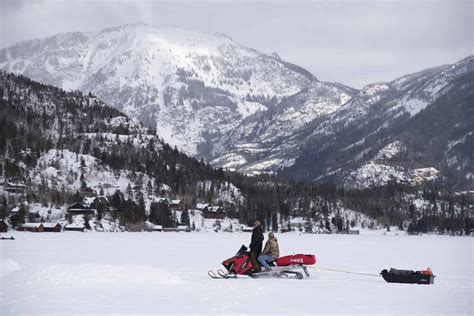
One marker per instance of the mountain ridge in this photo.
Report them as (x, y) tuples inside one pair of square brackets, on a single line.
[(234, 106), (156, 74)]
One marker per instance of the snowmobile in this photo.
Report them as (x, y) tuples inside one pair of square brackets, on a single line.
[(292, 266)]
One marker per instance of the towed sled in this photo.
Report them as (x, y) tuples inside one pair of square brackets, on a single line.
[(408, 276), (292, 266)]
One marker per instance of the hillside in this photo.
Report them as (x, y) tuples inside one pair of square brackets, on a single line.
[(188, 85), (58, 148), (416, 128)]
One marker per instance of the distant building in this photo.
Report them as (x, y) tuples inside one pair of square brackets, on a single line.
[(15, 187), (209, 211), (203, 206), (161, 200), (176, 205), (75, 227), (3, 226), (52, 227), (213, 212), (31, 227), (81, 209)]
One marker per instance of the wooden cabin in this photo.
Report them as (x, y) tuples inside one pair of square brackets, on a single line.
[(15, 187), (75, 227), (52, 227), (215, 212), (176, 205), (81, 209), (31, 227), (203, 206)]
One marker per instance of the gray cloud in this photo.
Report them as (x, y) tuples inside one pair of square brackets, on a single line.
[(354, 42)]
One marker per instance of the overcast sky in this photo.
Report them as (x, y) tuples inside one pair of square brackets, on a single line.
[(353, 42)]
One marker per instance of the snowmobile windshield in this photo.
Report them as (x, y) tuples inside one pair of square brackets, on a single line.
[(241, 251)]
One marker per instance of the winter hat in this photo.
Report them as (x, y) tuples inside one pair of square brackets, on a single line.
[(257, 223)]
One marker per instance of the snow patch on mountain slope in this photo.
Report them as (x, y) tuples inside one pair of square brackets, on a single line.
[(230, 161), (247, 108), (267, 166), (389, 151), (266, 142), (377, 174), (413, 106)]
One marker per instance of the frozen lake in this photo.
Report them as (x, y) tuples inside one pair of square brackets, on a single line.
[(97, 273)]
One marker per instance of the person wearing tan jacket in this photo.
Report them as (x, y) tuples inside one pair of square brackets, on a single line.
[(270, 252)]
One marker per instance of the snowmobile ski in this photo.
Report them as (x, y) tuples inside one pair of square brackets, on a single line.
[(220, 275), (213, 275), (278, 274)]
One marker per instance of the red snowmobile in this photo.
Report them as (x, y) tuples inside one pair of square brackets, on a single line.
[(283, 267)]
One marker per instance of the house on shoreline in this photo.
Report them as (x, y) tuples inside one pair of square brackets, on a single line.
[(40, 227)]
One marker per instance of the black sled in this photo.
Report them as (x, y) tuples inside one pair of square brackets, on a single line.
[(408, 276)]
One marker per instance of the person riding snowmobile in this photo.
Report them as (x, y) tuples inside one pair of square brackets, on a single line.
[(256, 245), (270, 252)]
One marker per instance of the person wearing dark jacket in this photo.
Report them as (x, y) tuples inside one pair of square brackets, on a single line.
[(256, 245)]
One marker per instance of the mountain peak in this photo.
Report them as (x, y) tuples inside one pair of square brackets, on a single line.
[(187, 85)]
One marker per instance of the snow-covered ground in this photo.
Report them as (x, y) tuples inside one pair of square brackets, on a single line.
[(137, 273)]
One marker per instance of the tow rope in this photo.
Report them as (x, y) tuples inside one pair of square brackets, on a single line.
[(344, 271)]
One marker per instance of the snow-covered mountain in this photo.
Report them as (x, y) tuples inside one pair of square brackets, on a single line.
[(419, 125), (266, 142), (367, 140), (255, 113), (186, 85)]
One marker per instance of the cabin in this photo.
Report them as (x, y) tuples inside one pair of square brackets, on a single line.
[(161, 200), (3, 226), (31, 227), (15, 187), (176, 205), (75, 227), (215, 212), (81, 209), (203, 206), (52, 227)]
